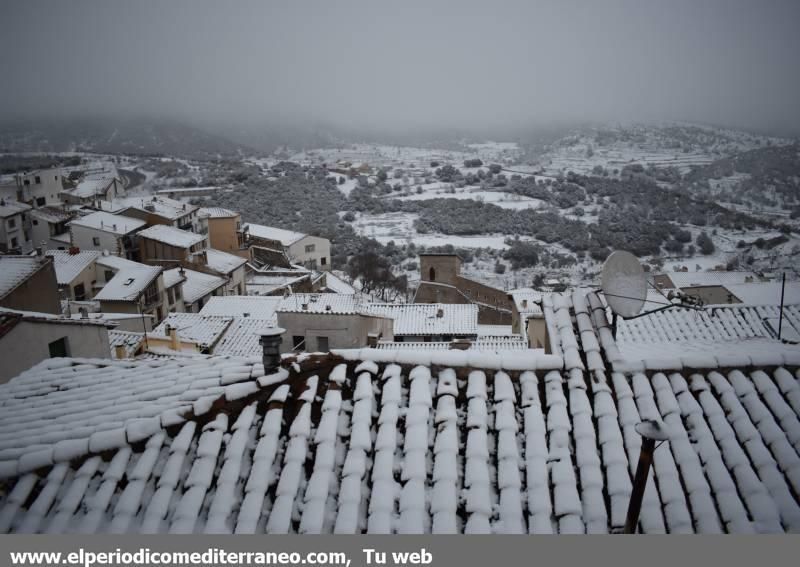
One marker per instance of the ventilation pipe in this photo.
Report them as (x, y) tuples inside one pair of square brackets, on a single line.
[(271, 348)]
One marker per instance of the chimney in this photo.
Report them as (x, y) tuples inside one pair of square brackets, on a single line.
[(270, 341), (174, 343), (39, 251), (119, 352), (524, 303), (440, 313), (372, 340), (84, 313)]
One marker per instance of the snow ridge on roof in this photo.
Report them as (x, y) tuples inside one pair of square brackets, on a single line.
[(204, 331), (255, 307), (223, 262), (197, 284), (129, 281)]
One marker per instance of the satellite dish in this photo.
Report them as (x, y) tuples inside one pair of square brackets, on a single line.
[(624, 284)]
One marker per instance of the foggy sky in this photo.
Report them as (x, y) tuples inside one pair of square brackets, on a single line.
[(402, 64)]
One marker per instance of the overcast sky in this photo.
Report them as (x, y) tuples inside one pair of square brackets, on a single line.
[(404, 64)]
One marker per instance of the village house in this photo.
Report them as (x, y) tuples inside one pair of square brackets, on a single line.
[(165, 244), (49, 227), (318, 322), (198, 287), (224, 230), (76, 273), (155, 210), (36, 188), (311, 252), (131, 287), (28, 283), (442, 282), (228, 265), (15, 227), (27, 338), (527, 317), (101, 183), (188, 332), (526, 442), (106, 232)]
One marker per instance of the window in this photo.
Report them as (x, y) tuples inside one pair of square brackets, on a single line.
[(59, 348), (96, 240), (322, 344), (178, 293), (26, 182), (298, 342), (80, 292), (323, 261), (41, 201), (309, 248), (432, 274), (109, 274), (13, 243), (171, 296), (38, 180), (151, 294), (55, 177), (12, 223), (35, 222)]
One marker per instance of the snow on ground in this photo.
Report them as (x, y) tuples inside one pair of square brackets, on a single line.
[(498, 198)]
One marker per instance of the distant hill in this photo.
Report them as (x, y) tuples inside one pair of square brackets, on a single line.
[(144, 137)]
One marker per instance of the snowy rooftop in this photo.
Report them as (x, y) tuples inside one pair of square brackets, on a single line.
[(69, 266), (242, 337), (336, 284), (161, 206), (16, 269), (91, 186), (217, 212), (262, 285), (197, 284), (766, 293), (486, 344), (331, 303), (285, 237), (366, 445), (172, 236), (107, 222), (11, 208), (129, 340), (527, 301), (425, 319), (129, 281), (252, 306), (51, 214), (495, 331), (172, 277), (222, 261), (193, 327), (710, 278)]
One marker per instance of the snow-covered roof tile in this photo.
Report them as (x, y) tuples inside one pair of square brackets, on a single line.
[(129, 340), (217, 212), (129, 281), (158, 437), (193, 327), (710, 278), (172, 236), (223, 262), (285, 237), (162, 206), (332, 303), (336, 284), (255, 307), (11, 208), (428, 318), (197, 284), (527, 301), (107, 222), (766, 293), (69, 266)]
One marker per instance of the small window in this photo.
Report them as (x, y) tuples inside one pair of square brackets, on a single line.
[(80, 292), (96, 240), (41, 201), (35, 222), (171, 296), (108, 275), (322, 344), (38, 180), (310, 248), (26, 182), (298, 342), (323, 261), (59, 348), (12, 223), (13, 243), (55, 177), (432, 274)]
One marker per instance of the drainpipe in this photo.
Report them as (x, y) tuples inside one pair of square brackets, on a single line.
[(651, 431)]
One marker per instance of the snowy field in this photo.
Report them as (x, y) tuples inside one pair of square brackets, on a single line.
[(499, 198)]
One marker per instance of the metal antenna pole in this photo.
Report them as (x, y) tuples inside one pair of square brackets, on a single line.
[(639, 484), (780, 319)]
